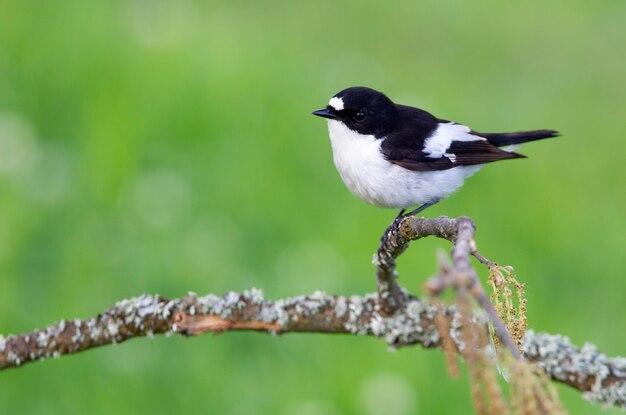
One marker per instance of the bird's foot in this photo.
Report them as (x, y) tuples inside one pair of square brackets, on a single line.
[(391, 231)]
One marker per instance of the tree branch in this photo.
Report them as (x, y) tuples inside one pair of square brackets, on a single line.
[(602, 379), (390, 314), (149, 315)]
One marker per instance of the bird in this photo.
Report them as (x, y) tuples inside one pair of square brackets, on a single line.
[(397, 156)]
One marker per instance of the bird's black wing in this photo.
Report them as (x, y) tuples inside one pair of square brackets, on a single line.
[(507, 139), (417, 154)]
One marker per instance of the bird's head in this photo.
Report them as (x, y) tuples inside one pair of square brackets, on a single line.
[(361, 109)]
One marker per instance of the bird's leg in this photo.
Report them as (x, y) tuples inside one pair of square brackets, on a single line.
[(421, 208)]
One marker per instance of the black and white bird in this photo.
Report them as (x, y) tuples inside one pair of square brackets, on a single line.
[(396, 156)]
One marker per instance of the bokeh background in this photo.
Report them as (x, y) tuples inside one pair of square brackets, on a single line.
[(166, 147)]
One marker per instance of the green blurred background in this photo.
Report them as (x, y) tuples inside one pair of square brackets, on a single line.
[(163, 147)]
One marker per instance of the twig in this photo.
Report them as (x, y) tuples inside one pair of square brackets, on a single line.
[(394, 243), (463, 247), (459, 231)]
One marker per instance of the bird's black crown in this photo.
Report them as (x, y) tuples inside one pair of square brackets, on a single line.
[(365, 110)]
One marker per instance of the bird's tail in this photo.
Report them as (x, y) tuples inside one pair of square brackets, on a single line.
[(507, 139)]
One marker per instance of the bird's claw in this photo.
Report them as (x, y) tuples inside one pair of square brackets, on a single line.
[(392, 230)]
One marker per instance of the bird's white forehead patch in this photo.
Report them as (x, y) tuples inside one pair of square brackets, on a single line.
[(336, 103)]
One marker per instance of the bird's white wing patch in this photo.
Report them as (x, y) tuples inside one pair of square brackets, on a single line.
[(437, 145), (336, 103)]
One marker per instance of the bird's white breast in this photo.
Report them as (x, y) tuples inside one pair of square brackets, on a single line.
[(375, 180)]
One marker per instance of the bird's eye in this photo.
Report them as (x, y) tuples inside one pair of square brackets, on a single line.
[(359, 116)]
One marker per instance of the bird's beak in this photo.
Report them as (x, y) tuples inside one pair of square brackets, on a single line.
[(326, 113)]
